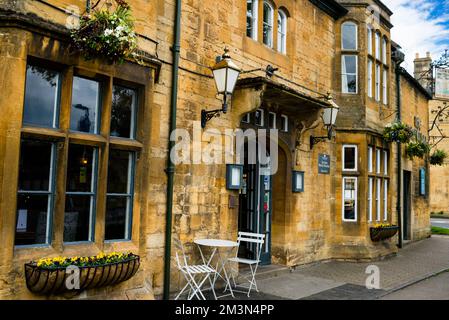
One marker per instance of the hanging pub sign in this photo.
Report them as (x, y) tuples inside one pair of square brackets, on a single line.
[(422, 181), (324, 164)]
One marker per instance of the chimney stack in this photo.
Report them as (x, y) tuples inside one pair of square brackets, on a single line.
[(421, 70)]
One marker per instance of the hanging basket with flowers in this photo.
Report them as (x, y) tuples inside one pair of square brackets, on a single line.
[(438, 157), (106, 33), (397, 132), (382, 232), (51, 275), (417, 149)]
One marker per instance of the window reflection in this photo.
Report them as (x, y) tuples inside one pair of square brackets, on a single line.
[(123, 112), (85, 105), (41, 97)]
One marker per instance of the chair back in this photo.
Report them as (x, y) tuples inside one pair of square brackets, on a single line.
[(255, 239), (180, 255)]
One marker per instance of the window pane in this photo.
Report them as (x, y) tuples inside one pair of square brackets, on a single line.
[(117, 209), (80, 168), (349, 156), (349, 34), (249, 18), (350, 64), (123, 112), (77, 218), (85, 105), (349, 198), (258, 114), (41, 97), (349, 209), (35, 164), (32, 216), (267, 24), (119, 171)]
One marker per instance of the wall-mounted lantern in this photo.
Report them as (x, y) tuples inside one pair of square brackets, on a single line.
[(225, 73), (234, 176), (298, 181), (329, 117)]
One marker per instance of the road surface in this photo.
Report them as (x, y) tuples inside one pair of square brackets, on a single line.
[(442, 223)]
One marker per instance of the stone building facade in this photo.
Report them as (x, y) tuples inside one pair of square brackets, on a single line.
[(318, 47)]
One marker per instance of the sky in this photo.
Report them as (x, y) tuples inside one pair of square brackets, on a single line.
[(420, 26)]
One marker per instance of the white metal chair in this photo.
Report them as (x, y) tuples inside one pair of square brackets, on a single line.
[(256, 240), (195, 275)]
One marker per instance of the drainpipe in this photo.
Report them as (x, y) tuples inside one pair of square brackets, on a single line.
[(399, 148), (170, 171)]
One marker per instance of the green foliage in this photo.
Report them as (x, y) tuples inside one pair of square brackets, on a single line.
[(417, 149), (441, 231), (397, 132), (98, 260), (106, 34), (437, 158)]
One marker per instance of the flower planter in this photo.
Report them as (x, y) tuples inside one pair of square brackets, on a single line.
[(382, 233), (52, 281)]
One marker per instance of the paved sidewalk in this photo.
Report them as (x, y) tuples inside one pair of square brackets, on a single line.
[(346, 280)]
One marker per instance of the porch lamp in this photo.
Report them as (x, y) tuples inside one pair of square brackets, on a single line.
[(225, 73), (329, 117)]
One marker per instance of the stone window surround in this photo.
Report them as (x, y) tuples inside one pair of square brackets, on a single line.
[(384, 178), (63, 136), (275, 32)]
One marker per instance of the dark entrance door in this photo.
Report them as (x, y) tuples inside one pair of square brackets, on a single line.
[(255, 207), (406, 204)]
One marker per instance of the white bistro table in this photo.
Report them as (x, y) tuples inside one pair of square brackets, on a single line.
[(215, 245)]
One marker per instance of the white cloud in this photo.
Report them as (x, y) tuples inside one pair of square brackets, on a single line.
[(416, 30)]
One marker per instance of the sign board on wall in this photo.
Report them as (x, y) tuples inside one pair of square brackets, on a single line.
[(324, 164), (422, 181), (442, 83)]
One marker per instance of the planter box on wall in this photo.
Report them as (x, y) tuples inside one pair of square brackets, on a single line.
[(53, 281), (382, 233)]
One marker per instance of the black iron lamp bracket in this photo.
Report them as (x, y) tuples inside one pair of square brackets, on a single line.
[(316, 140), (207, 115)]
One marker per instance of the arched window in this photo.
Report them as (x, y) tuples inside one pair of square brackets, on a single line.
[(268, 16), (282, 31), (349, 36), (251, 18)]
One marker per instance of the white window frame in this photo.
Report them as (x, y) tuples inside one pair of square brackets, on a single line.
[(356, 36), (269, 24), (355, 200), (377, 82), (370, 40), (284, 125), (370, 78), (370, 199), (272, 125), (352, 146), (385, 200), (378, 161), (254, 18), (262, 118), (344, 74), (384, 87), (282, 32), (370, 159), (385, 162), (378, 50), (384, 50), (378, 197)]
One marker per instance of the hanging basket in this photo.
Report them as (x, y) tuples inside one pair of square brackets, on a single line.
[(382, 233), (46, 281)]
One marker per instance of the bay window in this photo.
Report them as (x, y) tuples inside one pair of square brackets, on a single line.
[(349, 73)]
